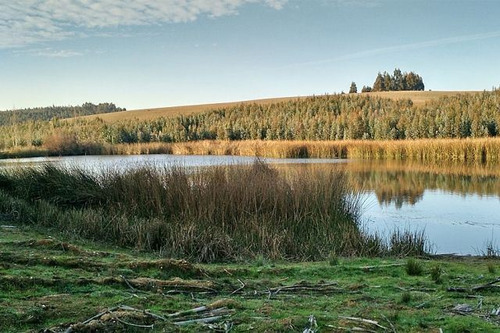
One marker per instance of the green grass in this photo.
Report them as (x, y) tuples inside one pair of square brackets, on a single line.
[(49, 281)]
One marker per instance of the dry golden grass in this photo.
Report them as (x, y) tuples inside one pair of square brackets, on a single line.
[(173, 111), (418, 98)]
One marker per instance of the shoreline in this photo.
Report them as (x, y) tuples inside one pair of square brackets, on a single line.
[(479, 151)]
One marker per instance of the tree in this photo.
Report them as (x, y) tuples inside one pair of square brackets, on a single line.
[(414, 81), (387, 81), (378, 85), (366, 89), (353, 89), (397, 82)]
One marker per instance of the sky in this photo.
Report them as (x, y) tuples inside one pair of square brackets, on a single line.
[(146, 54)]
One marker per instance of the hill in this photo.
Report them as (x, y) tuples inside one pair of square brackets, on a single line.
[(174, 111), (418, 98)]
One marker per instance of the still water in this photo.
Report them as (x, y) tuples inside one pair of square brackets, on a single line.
[(457, 206)]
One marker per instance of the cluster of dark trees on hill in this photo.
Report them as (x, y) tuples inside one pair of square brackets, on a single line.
[(50, 112), (398, 81)]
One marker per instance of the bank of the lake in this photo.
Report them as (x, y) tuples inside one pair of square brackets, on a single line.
[(50, 281)]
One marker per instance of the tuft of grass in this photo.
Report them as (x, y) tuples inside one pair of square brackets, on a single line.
[(492, 269), (333, 259), (414, 267), (436, 272), (408, 243), (406, 297)]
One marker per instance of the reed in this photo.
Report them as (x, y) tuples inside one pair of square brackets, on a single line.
[(478, 151), (481, 151), (212, 214)]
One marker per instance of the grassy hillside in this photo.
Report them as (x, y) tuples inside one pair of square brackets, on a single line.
[(174, 111), (418, 98)]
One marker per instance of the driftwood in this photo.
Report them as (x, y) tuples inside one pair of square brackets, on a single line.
[(312, 325), (240, 288), (304, 286), (203, 315), (369, 268), (364, 321), (351, 329), (199, 321), (488, 285), (390, 323)]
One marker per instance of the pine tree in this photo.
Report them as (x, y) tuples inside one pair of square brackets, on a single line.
[(378, 85), (353, 89)]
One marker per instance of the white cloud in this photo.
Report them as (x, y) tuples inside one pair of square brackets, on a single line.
[(49, 52), (52, 53), (32, 21)]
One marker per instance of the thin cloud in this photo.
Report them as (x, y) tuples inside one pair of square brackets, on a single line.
[(401, 48), (34, 21), (49, 52)]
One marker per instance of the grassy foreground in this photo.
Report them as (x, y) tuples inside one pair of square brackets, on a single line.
[(49, 283)]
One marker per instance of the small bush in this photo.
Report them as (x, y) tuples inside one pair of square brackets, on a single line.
[(414, 267), (492, 268)]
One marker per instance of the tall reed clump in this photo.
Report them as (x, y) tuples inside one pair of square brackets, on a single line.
[(212, 214)]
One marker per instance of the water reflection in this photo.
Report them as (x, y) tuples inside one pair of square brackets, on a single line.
[(398, 183)]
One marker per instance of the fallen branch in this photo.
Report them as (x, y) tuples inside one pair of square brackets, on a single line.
[(128, 283), (365, 321), (368, 268), (99, 315), (199, 321), (304, 286), (476, 288), (392, 326), (188, 312), (351, 329), (130, 324), (240, 288), (487, 285)]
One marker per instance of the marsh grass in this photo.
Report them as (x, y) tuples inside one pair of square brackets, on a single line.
[(212, 214), (414, 267), (472, 151)]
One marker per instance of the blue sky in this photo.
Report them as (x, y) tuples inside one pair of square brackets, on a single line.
[(141, 54)]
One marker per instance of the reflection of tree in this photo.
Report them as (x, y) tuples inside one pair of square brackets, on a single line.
[(402, 184), (399, 196)]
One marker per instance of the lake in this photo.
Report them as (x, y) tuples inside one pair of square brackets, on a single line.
[(458, 206)]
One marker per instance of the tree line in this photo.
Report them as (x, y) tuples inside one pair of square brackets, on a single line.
[(50, 112)]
